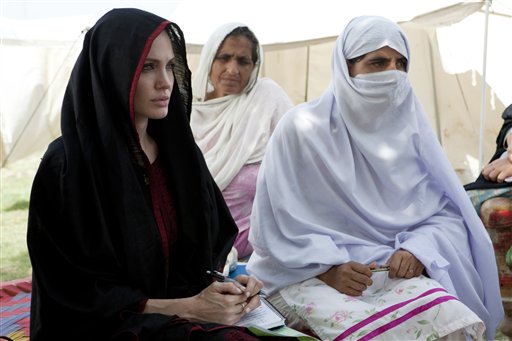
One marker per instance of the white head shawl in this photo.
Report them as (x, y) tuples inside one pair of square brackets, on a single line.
[(359, 173), (233, 130)]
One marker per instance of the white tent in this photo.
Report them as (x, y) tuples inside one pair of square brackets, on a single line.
[(447, 40)]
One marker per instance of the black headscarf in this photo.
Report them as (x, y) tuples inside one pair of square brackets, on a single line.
[(94, 244)]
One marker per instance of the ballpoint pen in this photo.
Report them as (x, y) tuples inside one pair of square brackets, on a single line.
[(221, 278), (379, 269)]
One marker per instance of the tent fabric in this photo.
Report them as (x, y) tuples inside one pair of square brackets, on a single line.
[(446, 73)]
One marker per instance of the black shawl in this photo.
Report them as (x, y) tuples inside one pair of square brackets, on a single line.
[(481, 182), (93, 241)]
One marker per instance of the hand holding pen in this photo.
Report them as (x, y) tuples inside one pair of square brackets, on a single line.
[(221, 278), (248, 284)]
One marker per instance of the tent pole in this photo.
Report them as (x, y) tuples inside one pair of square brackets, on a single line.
[(307, 74), (483, 90)]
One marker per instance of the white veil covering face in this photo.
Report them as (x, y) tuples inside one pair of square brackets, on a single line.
[(358, 174), (233, 130)]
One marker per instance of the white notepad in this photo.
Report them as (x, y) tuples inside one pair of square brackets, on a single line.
[(265, 316)]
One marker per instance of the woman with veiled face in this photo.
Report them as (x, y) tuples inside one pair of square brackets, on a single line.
[(360, 227), (234, 113), (125, 219)]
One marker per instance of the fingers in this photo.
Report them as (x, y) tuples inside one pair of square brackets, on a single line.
[(232, 288), (409, 273), (252, 285), (242, 301), (252, 303), (414, 271), (220, 303), (355, 288), (351, 278), (504, 174), (405, 271), (498, 170), (372, 265), (242, 305), (404, 264)]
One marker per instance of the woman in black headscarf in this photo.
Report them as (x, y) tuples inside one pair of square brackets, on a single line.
[(124, 217)]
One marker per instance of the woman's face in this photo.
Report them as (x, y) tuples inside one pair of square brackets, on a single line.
[(383, 59), (156, 80), (231, 67)]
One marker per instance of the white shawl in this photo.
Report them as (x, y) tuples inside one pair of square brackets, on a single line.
[(359, 173), (234, 130)]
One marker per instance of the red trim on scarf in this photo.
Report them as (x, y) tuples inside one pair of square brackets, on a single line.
[(138, 70)]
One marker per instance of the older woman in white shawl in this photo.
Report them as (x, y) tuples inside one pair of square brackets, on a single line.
[(233, 115), (355, 181)]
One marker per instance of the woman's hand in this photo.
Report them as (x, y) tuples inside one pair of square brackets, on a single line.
[(220, 302), (499, 169), (404, 264), (253, 287), (350, 278)]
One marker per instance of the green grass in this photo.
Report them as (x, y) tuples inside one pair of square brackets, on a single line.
[(15, 182)]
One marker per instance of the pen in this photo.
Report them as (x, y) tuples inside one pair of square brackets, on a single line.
[(221, 278), (382, 268)]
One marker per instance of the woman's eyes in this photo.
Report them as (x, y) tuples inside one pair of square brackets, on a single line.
[(244, 61), (382, 63), (402, 64), (148, 66), (152, 66), (225, 58), (379, 62)]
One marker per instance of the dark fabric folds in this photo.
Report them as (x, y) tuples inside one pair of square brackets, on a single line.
[(92, 237)]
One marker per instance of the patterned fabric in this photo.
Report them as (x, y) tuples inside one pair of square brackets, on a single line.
[(15, 310), (391, 309), (478, 196), (496, 214)]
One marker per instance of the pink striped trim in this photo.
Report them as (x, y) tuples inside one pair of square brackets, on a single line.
[(406, 317), (384, 312)]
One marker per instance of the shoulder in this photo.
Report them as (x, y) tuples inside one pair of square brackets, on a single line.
[(269, 86), (268, 82), (52, 164), (45, 196), (296, 122), (55, 154)]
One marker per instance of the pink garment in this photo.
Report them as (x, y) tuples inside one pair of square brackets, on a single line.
[(239, 195)]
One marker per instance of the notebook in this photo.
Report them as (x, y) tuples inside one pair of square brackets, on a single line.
[(265, 316)]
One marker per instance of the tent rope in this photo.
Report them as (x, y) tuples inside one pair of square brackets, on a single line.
[(45, 93)]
